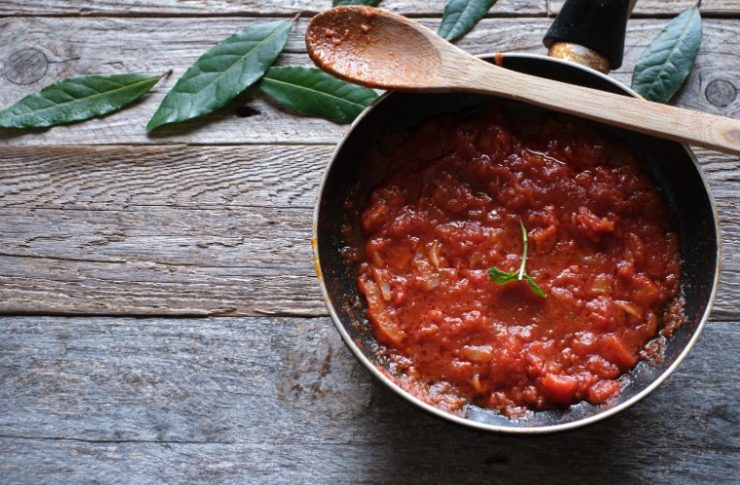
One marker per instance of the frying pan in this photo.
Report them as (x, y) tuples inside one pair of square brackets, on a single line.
[(590, 31)]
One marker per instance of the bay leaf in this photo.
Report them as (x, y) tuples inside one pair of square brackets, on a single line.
[(668, 59), (310, 91), (77, 99), (219, 75), (460, 16), (372, 3)]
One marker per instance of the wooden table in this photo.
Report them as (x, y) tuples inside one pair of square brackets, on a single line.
[(161, 319)]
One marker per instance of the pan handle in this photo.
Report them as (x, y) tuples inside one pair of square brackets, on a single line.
[(590, 32)]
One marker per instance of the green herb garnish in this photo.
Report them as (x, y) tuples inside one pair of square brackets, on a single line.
[(503, 277)]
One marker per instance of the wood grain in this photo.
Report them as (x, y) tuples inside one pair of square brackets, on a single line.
[(258, 8), (49, 49), (158, 260), (192, 230), (221, 177), (283, 401)]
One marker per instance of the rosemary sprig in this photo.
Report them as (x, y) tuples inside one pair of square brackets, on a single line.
[(503, 277)]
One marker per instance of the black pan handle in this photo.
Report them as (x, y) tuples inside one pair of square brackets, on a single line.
[(597, 25)]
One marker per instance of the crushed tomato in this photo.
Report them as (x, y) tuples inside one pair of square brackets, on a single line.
[(600, 246)]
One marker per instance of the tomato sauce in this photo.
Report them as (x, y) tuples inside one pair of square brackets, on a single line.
[(600, 246)]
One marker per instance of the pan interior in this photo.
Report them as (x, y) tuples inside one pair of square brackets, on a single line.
[(353, 174)]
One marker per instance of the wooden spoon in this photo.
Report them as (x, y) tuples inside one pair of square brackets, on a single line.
[(381, 49)]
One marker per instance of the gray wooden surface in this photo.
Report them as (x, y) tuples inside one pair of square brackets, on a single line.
[(160, 321)]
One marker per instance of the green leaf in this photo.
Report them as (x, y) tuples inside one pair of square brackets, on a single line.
[(76, 99), (223, 72), (667, 61), (534, 286), (501, 277), (310, 91), (372, 3), (461, 15), (504, 277)]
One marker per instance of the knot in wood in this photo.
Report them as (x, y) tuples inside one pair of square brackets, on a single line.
[(25, 66), (720, 92)]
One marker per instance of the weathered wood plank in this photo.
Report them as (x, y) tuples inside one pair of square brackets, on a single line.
[(48, 287), (671, 7), (166, 175), (255, 7), (281, 464), (282, 401), (193, 230), (38, 51), (155, 260), (242, 8), (255, 241)]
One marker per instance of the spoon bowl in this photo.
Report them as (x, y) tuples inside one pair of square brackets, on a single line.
[(371, 47)]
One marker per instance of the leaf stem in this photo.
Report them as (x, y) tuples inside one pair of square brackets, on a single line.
[(503, 277), (521, 273)]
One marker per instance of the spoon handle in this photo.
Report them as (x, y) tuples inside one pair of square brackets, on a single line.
[(636, 114)]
